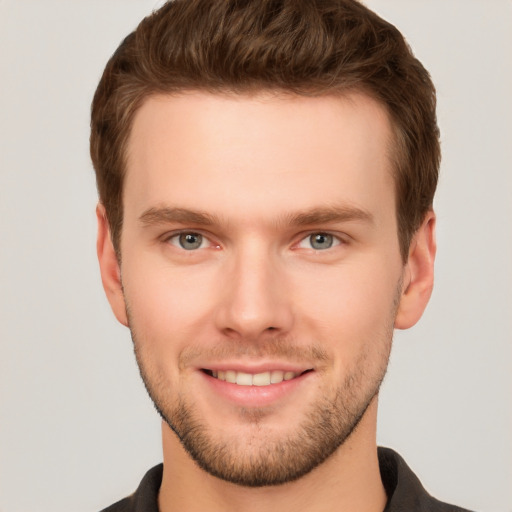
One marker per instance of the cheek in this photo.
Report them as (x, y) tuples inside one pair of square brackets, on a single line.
[(165, 303), (349, 305), (167, 312)]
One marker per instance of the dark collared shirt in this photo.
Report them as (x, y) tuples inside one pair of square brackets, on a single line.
[(404, 490)]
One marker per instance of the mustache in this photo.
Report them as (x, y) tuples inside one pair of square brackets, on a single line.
[(267, 348)]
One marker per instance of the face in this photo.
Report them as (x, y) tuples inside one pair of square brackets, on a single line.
[(261, 273)]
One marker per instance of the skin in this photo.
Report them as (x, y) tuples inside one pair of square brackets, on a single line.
[(266, 172)]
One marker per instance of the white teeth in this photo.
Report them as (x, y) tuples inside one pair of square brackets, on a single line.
[(249, 379), (276, 377), (244, 379), (231, 376), (261, 379)]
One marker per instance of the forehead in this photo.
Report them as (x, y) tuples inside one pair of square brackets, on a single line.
[(229, 152)]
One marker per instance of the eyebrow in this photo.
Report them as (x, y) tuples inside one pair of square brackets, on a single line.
[(321, 215), (167, 215), (330, 214)]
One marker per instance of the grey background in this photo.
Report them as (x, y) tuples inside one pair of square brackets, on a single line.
[(77, 431)]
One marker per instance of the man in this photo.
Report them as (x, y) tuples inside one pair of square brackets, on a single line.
[(266, 172)]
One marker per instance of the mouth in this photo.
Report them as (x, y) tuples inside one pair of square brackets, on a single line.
[(254, 379)]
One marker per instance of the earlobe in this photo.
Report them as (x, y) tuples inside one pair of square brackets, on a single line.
[(418, 274), (109, 267)]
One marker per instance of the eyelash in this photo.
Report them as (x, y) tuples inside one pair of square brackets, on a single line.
[(176, 236), (336, 240)]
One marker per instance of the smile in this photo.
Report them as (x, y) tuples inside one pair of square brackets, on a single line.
[(254, 379)]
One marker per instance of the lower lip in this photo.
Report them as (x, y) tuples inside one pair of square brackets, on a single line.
[(255, 396)]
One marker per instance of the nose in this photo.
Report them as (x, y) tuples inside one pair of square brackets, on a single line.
[(254, 298)]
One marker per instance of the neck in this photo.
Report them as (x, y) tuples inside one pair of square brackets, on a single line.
[(348, 480)]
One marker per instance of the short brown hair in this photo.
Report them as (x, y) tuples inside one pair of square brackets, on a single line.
[(306, 47)]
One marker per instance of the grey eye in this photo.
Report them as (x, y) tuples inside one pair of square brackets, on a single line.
[(190, 241), (321, 241)]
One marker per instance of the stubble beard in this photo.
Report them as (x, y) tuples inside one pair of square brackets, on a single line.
[(259, 459)]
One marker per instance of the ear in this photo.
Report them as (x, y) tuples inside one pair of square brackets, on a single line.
[(109, 267), (418, 274)]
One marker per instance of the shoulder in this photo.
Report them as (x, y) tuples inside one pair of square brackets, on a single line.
[(124, 505), (145, 498), (405, 491)]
